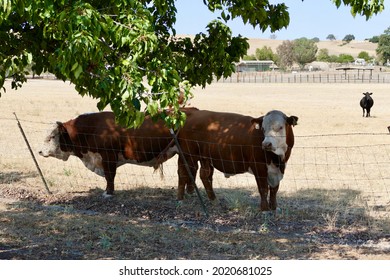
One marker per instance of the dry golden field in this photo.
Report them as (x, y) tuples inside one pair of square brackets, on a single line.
[(334, 200)]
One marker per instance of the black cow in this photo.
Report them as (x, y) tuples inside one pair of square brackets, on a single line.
[(366, 103)]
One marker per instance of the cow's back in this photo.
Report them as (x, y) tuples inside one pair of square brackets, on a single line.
[(231, 141), (93, 132), (98, 132)]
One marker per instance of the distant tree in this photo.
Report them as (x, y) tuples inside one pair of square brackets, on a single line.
[(383, 49), (331, 37), (304, 51), (265, 53), (345, 58), (323, 55), (374, 39), (285, 54), (273, 36), (249, 57), (315, 39), (333, 58), (348, 38), (364, 55)]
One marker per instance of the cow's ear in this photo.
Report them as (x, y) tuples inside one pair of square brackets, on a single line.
[(293, 120), (370, 93), (61, 127), (257, 122)]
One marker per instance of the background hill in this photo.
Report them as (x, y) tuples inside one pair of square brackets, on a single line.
[(335, 47)]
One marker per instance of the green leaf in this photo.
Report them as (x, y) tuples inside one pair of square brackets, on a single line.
[(75, 65), (77, 72)]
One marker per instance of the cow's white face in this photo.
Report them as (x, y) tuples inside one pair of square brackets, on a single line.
[(51, 145), (274, 128)]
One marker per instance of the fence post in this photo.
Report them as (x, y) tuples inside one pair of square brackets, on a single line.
[(188, 171), (32, 155)]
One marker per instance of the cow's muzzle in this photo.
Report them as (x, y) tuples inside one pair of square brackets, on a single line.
[(267, 146), (43, 154)]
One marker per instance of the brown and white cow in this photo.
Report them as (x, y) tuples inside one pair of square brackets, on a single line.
[(235, 144), (102, 145)]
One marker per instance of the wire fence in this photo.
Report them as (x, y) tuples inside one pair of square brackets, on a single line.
[(331, 163), (308, 77)]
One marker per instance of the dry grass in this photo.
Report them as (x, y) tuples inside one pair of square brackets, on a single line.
[(334, 200), (335, 47)]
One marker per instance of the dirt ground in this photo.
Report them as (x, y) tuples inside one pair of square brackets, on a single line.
[(333, 202)]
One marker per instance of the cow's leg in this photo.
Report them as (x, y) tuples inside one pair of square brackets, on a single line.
[(109, 166), (206, 175), (190, 185), (368, 112), (272, 197), (184, 177), (262, 185)]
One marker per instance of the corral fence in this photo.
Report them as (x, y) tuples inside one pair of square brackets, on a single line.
[(308, 77), (332, 163)]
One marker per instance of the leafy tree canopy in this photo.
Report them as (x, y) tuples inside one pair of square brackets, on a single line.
[(364, 55), (383, 49), (304, 51), (331, 37), (285, 54), (362, 7), (323, 55), (348, 38), (265, 53), (374, 39), (126, 54), (345, 58)]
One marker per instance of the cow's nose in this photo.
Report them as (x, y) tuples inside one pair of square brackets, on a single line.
[(267, 146)]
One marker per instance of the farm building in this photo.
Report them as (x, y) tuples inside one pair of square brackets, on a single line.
[(254, 65)]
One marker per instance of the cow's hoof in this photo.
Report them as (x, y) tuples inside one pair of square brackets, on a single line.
[(106, 195), (190, 190), (216, 202)]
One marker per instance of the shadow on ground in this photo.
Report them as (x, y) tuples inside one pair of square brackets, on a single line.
[(148, 223), (15, 176)]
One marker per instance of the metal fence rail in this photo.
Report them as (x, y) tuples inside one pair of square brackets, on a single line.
[(308, 77)]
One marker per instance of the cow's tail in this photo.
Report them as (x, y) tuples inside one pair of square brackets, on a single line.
[(158, 165), (164, 155), (160, 168)]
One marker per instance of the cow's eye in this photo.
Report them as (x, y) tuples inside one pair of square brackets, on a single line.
[(278, 128)]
